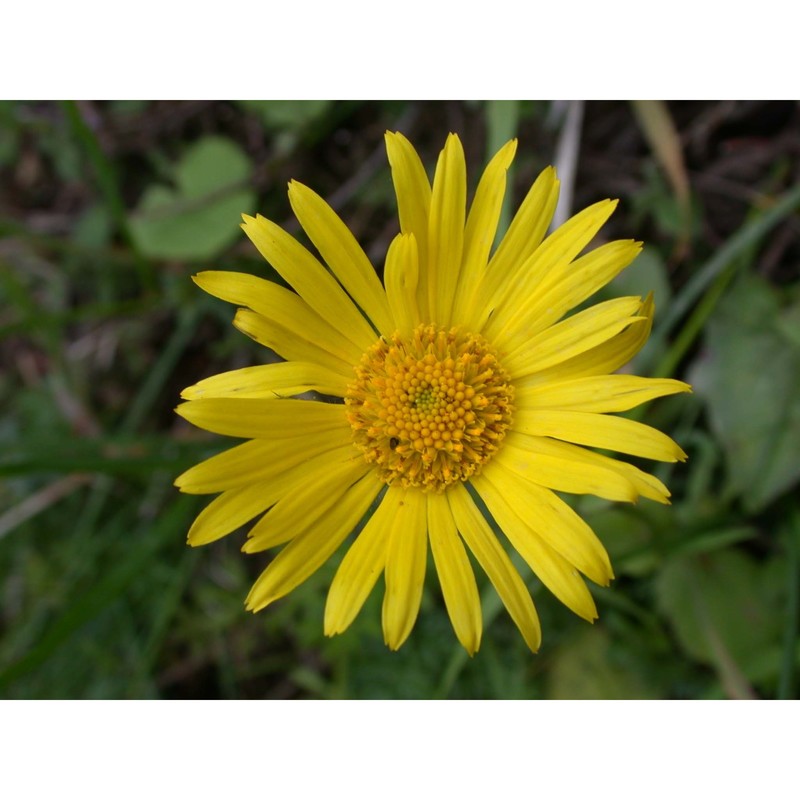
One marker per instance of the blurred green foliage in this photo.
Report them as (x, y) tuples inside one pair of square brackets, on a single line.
[(200, 216), (107, 209), (754, 412)]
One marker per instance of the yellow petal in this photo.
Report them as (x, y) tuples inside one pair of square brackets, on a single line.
[(401, 274), (479, 236), (599, 393), (287, 345), (270, 381), (572, 336), (552, 569), (601, 359), (446, 230), (523, 283), (494, 561), (456, 577), (553, 521), (585, 461), (524, 235), (311, 549), (284, 309), (413, 192), (405, 568), (309, 279), (226, 513), (259, 460), (254, 418), (322, 487), (569, 284), (362, 565), (530, 458), (342, 253), (237, 506), (597, 430)]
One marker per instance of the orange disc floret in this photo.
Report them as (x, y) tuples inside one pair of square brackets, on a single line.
[(430, 409)]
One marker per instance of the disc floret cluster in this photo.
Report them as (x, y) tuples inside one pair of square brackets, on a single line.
[(430, 409)]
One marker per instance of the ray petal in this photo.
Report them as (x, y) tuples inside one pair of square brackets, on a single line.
[(479, 236), (494, 561), (309, 279), (599, 430), (293, 348), (362, 565), (401, 274), (234, 507), (326, 474), (256, 418), (565, 287), (598, 393), (554, 571), (525, 233), (413, 192), (342, 253), (284, 311), (572, 336), (446, 230), (528, 456), (553, 521), (306, 503), (602, 359), (259, 460), (270, 381), (312, 548), (585, 461), (406, 559), (226, 513), (459, 589), (523, 283)]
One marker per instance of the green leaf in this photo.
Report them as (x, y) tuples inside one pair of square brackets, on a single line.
[(749, 377), (586, 668), (725, 610), (288, 115), (200, 216)]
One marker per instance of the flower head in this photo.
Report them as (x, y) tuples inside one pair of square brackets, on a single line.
[(458, 384)]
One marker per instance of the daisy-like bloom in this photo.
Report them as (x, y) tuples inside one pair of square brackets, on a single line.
[(457, 386)]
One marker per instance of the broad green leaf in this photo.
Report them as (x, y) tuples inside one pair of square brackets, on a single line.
[(749, 377), (288, 115), (585, 668), (724, 606), (200, 215)]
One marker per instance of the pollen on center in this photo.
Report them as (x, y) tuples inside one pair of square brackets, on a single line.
[(429, 409)]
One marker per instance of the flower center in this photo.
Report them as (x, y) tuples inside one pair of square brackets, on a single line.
[(431, 408)]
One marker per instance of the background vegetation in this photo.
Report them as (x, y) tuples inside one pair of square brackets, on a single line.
[(107, 209)]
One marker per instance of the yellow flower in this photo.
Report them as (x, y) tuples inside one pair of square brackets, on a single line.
[(457, 381)]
